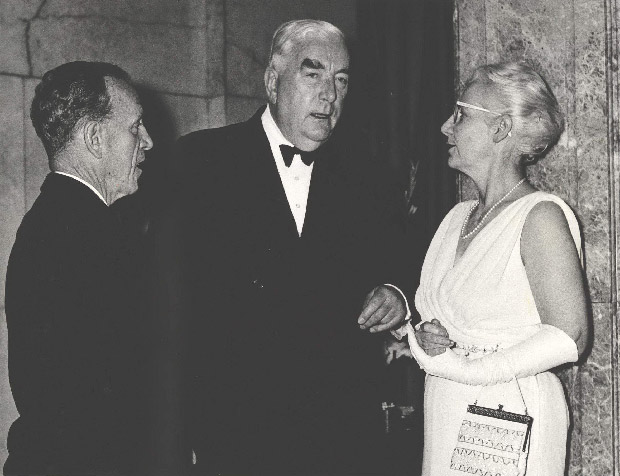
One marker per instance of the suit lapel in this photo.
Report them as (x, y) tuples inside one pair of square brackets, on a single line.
[(325, 197), (269, 195)]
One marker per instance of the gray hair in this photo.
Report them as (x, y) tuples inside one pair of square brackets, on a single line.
[(528, 99), (291, 33)]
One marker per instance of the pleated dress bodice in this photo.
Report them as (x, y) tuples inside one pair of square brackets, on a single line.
[(483, 298)]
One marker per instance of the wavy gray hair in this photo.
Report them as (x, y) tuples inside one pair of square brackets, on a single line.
[(528, 99), (292, 33)]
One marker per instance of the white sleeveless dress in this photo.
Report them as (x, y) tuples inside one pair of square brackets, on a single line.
[(484, 301)]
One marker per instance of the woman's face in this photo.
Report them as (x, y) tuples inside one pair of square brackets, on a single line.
[(470, 131)]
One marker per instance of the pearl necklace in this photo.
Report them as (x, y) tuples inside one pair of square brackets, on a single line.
[(476, 203)]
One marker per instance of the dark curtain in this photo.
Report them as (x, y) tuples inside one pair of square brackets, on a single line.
[(402, 90)]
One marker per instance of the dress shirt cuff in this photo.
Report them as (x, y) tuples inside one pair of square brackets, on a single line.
[(400, 332)]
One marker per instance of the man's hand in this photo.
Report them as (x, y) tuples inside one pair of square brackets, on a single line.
[(433, 338), (384, 308), (395, 349)]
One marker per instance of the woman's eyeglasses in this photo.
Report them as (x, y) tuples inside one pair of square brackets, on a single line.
[(460, 104)]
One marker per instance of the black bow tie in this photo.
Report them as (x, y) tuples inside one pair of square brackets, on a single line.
[(289, 152)]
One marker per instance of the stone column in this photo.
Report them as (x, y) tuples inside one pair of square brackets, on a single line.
[(574, 44)]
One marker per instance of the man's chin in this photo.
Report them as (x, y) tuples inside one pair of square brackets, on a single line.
[(129, 189), (317, 139)]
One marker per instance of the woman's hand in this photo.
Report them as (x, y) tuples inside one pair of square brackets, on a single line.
[(433, 338)]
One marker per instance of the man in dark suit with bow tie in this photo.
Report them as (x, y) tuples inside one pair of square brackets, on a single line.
[(292, 258), (76, 346)]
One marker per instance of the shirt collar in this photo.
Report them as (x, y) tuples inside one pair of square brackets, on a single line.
[(274, 134), (85, 183), (276, 138)]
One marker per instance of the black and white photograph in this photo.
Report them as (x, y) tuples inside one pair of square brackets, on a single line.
[(309, 237)]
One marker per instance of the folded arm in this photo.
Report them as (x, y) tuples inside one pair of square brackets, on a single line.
[(546, 349)]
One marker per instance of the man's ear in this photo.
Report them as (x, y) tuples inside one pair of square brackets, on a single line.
[(271, 84), (93, 138), (503, 128)]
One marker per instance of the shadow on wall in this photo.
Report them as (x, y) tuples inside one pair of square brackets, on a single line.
[(141, 213), (161, 127), (139, 208)]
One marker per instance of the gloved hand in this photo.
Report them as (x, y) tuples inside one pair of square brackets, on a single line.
[(546, 349)]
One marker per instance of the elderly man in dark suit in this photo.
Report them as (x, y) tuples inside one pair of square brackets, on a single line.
[(69, 296), (292, 258)]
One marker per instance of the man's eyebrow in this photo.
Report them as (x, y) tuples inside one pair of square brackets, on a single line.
[(312, 64), (316, 64)]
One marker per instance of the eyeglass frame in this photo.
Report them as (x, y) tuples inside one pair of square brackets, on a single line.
[(471, 106)]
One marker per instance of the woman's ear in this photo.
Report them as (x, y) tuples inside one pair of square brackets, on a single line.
[(503, 128)]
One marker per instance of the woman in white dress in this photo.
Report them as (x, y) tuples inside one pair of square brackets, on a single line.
[(502, 294)]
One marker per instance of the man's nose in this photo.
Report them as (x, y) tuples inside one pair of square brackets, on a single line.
[(146, 142), (328, 90)]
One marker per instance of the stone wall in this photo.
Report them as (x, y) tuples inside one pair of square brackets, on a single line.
[(574, 44), (202, 61)]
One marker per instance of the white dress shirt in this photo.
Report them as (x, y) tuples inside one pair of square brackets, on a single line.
[(296, 178), (85, 183)]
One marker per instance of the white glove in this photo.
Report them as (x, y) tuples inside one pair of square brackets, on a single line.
[(546, 349)]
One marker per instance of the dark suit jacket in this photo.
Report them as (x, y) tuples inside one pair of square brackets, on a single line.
[(282, 380), (74, 349)]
